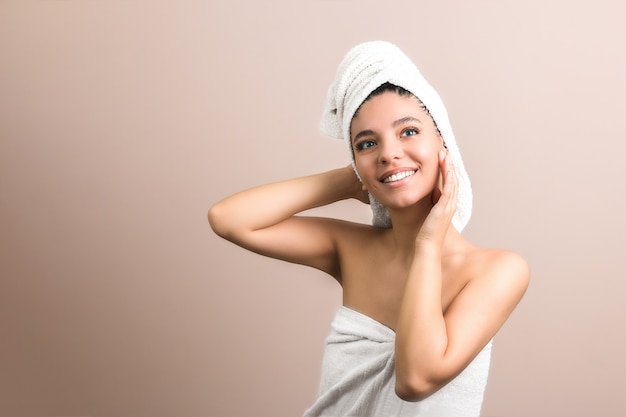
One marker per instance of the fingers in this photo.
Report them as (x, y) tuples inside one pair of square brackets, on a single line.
[(450, 184), (445, 162), (440, 181), (440, 216)]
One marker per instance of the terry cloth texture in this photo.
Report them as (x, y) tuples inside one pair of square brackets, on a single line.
[(358, 376), (366, 67)]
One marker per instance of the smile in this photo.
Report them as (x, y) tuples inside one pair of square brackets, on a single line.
[(398, 176)]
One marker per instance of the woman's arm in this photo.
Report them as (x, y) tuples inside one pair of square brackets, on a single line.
[(262, 219), (433, 346)]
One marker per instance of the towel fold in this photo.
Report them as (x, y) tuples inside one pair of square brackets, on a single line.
[(366, 67), (358, 376)]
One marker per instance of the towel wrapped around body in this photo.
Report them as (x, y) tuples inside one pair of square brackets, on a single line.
[(358, 376)]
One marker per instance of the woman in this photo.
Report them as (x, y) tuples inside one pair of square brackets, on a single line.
[(421, 303)]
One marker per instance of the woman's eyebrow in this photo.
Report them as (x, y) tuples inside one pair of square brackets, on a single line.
[(362, 133), (404, 120)]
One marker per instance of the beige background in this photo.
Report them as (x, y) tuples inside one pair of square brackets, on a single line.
[(121, 122)]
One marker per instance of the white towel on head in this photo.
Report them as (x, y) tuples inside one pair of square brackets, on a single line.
[(366, 67)]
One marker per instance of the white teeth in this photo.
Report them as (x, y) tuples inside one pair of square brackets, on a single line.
[(398, 176)]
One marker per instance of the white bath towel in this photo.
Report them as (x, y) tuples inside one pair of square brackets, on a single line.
[(366, 67), (358, 376)]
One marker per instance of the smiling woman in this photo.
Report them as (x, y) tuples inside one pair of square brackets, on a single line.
[(392, 127), (421, 303)]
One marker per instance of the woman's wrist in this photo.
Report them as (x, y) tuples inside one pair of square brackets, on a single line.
[(427, 248)]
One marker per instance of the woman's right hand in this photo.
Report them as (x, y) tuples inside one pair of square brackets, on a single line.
[(359, 191)]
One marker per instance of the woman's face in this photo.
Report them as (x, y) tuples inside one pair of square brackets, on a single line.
[(396, 145)]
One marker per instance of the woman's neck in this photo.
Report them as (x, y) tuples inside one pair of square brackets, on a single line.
[(406, 224)]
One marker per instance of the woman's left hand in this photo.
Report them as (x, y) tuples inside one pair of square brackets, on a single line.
[(438, 221)]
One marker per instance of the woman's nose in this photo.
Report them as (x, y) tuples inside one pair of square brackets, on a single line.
[(389, 149)]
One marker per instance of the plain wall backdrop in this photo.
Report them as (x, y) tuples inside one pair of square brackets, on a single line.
[(121, 122)]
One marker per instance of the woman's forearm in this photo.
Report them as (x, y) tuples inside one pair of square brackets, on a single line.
[(421, 337), (269, 204)]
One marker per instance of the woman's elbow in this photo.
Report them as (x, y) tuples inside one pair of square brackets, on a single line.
[(217, 221), (415, 389)]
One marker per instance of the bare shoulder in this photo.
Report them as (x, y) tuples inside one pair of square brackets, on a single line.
[(490, 258), (500, 269)]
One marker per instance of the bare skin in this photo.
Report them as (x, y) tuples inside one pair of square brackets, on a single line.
[(443, 296)]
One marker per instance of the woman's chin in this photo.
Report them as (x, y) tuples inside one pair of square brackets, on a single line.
[(408, 203)]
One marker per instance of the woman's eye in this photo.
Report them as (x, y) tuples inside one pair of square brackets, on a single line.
[(365, 144), (410, 132)]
